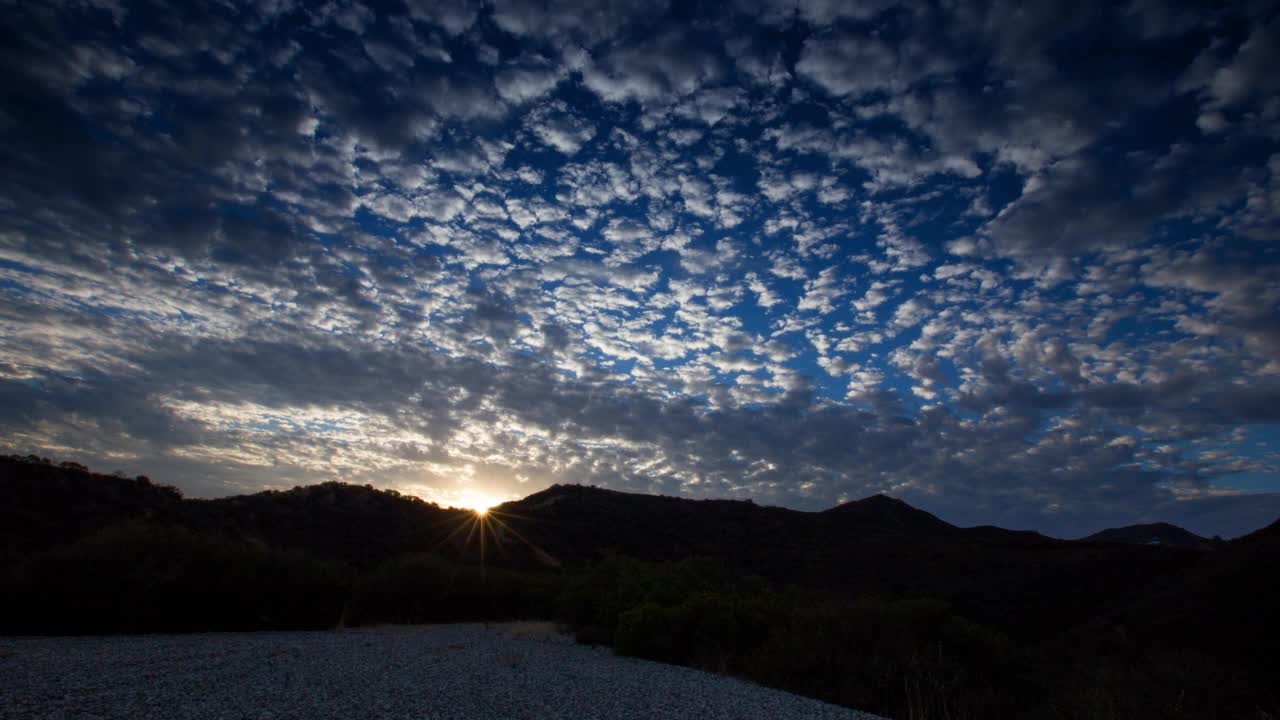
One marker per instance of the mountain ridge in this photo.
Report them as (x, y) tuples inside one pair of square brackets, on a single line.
[(1156, 533), (149, 560), (876, 513), (877, 544)]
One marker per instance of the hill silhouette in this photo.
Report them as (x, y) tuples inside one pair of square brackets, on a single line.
[(877, 544), (881, 513), (1160, 533), (881, 545), (984, 620)]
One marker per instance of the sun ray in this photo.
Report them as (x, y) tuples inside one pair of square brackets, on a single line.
[(483, 529), (539, 552)]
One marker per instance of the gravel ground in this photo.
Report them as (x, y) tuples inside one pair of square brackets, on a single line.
[(423, 672)]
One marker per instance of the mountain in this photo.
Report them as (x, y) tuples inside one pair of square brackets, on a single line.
[(1267, 537), (43, 505), (576, 524), (881, 513), (1225, 603), (856, 603), (878, 545), (1162, 534)]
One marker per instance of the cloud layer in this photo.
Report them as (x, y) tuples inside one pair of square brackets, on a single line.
[(1018, 265)]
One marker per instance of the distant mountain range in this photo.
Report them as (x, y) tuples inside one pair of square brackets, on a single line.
[(1142, 576)]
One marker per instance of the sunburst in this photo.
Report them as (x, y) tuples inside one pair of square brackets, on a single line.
[(478, 503), (484, 526)]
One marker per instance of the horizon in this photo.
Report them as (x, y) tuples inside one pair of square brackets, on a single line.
[(1012, 267), (493, 503)]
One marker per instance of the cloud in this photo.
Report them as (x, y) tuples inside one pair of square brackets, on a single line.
[(1247, 73), (851, 64), (455, 16), (796, 251), (586, 23), (658, 70), (521, 83), (818, 13), (557, 127)]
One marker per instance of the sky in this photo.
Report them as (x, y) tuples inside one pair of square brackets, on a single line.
[(1014, 263)]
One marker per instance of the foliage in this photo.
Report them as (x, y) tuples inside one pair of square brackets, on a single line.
[(140, 577), (904, 658), (46, 505), (423, 588), (647, 609)]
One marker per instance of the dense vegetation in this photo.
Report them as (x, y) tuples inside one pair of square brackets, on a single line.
[(911, 657), (875, 605)]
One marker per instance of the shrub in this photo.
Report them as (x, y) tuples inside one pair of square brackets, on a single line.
[(910, 658), (407, 589), (425, 588), (145, 578), (709, 630), (594, 600)]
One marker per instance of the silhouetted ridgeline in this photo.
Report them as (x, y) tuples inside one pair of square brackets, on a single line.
[(1162, 534), (873, 604)]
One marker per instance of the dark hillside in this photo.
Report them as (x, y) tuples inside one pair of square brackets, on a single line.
[(1162, 534), (1226, 602), (350, 523), (45, 505), (880, 545), (881, 514), (577, 525), (877, 545)]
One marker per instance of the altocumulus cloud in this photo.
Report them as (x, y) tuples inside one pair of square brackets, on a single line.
[(1017, 265)]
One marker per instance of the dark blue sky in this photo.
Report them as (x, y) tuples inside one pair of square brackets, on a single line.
[(1014, 263)]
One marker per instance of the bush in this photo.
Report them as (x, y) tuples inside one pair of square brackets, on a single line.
[(425, 588), (145, 578), (407, 589), (594, 600), (709, 631), (909, 658)]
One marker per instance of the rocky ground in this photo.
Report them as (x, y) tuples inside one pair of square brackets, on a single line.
[(518, 670)]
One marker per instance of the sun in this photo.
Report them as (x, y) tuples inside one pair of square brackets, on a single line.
[(477, 503), (484, 526)]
